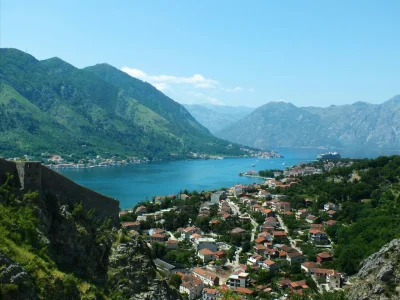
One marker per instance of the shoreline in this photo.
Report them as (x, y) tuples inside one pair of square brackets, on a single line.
[(84, 167)]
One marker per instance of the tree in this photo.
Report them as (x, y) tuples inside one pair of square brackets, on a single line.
[(246, 246), (175, 281)]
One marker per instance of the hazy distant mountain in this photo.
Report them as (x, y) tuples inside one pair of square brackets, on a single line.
[(356, 125), (217, 117), (51, 106)]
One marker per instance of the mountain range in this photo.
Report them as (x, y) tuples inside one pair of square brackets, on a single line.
[(282, 124), (217, 117), (51, 106)]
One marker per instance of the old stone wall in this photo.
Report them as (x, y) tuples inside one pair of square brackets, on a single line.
[(70, 192), (30, 175), (8, 167), (35, 176)]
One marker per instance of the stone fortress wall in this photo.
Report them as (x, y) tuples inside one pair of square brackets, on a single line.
[(35, 176)]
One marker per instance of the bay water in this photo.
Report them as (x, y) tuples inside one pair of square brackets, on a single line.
[(133, 183)]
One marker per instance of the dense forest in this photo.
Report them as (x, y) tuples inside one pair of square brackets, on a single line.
[(368, 193)]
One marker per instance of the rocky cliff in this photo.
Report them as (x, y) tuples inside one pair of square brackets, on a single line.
[(54, 247), (379, 276)]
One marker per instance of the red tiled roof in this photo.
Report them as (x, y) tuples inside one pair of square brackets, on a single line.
[(158, 236), (279, 233), (128, 224), (259, 240), (325, 255), (206, 251), (210, 291), (309, 264), (294, 254), (268, 262), (243, 290), (331, 222), (172, 242), (315, 231), (204, 273)]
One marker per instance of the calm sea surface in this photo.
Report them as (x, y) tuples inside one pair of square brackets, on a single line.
[(133, 183)]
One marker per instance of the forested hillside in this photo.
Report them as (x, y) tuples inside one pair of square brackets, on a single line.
[(368, 193), (51, 106)]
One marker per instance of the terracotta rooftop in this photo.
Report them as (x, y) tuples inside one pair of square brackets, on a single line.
[(268, 262), (172, 242), (294, 254), (325, 255), (204, 273), (279, 233), (309, 264), (206, 251), (243, 290)]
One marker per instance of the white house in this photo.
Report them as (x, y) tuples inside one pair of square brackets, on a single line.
[(210, 294), (330, 205), (238, 279), (207, 277), (269, 265), (188, 231), (255, 260), (206, 255), (192, 286), (205, 243)]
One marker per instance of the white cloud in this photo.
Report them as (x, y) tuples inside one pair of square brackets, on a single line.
[(234, 90), (197, 80), (162, 86), (209, 99)]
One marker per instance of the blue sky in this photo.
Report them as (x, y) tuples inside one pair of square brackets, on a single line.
[(309, 53)]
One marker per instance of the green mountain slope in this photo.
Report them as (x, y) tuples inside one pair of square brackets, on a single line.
[(52, 106)]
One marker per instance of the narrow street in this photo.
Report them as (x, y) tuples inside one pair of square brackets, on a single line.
[(253, 231), (287, 233)]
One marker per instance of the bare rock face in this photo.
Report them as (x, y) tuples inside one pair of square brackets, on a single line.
[(16, 280), (379, 276), (133, 274)]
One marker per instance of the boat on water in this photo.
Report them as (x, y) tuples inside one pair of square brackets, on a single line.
[(329, 155), (253, 165)]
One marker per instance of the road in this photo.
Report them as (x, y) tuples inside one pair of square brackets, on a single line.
[(237, 254), (236, 211), (234, 208), (171, 235), (253, 231), (287, 233)]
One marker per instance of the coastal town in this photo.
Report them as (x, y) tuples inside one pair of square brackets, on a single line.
[(55, 161), (246, 241)]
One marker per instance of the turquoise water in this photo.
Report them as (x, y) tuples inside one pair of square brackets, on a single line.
[(133, 183)]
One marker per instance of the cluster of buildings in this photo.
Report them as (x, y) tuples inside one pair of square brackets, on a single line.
[(58, 162), (272, 244)]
